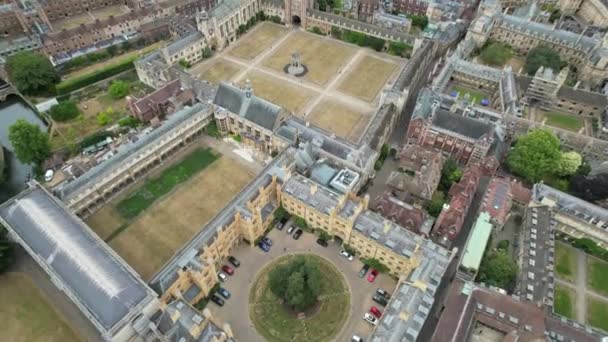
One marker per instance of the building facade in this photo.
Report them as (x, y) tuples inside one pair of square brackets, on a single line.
[(419, 172)]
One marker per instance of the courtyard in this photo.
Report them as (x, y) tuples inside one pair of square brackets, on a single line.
[(244, 304), (340, 91), (150, 238)]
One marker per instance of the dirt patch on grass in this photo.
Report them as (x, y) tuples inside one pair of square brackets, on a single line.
[(367, 77), (215, 70), (25, 314), (334, 117), (323, 57), (258, 40), (291, 97)]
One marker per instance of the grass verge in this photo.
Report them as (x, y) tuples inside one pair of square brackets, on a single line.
[(163, 184), (565, 262), (597, 313), (564, 301)]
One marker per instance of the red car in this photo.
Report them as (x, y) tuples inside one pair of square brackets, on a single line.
[(375, 311), (228, 270), (372, 275)]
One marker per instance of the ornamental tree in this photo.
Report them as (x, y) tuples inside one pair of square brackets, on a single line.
[(535, 155)]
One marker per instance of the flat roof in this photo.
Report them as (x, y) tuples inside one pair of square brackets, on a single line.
[(100, 283), (478, 240)]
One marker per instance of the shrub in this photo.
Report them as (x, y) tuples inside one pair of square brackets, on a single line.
[(64, 111), (398, 48), (375, 263), (129, 121), (316, 30), (119, 89), (496, 54), (237, 138), (74, 83), (94, 139)]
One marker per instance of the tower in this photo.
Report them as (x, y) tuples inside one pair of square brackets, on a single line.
[(295, 11)]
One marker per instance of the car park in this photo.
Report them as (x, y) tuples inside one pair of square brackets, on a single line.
[(363, 271), (228, 270), (372, 275), (217, 300), (375, 311), (383, 293), (222, 276), (264, 247), (380, 300), (290, 229), (346, 255), (234, 261), (371, 319), (267, 240), (223, 292), (322, 242), (297, 234)]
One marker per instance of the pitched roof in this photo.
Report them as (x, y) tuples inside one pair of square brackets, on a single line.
[(459, 124)]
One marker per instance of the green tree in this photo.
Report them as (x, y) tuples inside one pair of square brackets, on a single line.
[(129, 121), (436, 204), (420, 21), (277, 280), (280, 213), (207, 52), (450, 174), (555, 14), (300, 222), (32, 73), (496, 54), (569, 163), (64, 111), (498, 269), (103, 119), (376, 264), (184, 63), (119, 89), (30, 143), (543, 56), (298, 282), (535, 155)]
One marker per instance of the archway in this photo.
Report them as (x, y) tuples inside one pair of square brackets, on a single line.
[(295, 20)]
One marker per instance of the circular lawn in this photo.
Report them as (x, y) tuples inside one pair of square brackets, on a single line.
[(276, 321)]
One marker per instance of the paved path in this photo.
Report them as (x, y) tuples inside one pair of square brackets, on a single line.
[(581, 286)]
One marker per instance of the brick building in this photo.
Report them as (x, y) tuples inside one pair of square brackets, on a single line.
[(415, 7), (498, 200), (367, 8), (165, 100), (404, 214), (419, 172)]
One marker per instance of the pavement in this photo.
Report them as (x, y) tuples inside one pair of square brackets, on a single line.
[(253, 259)]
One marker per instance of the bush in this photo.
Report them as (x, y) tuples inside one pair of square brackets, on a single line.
[(31, 72), (94, 139), (237, 138), (74, 83), (349, 249), (212, 130), (316, 30), (420, 21), (436, 205), (399, 49), (300, 222), (64, 111), (119, 89), (324, 236), (129, 121), (207, 52), (375, 263), (543, 56)]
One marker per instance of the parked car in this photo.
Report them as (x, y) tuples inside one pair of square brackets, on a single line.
[(228, 270), (372, 275), (356, 339), (223, 292), (290, 229), (222, 276), (234, 261), (217, 300), (375, 311), (48, 175), (371, 319), (322, 242), (383, 293), (267, 240), (380, 300), (297, 234), (346, 255), (264, 247), (282, 223), (363, 271)]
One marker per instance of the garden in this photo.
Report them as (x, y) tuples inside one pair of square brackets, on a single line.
[(564, 301), (565, 262), (564, 121), (299, 298)]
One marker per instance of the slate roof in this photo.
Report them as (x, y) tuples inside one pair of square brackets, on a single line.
[(460, 124), (587, 97), (180, 44), (225, 8), (254, 109)]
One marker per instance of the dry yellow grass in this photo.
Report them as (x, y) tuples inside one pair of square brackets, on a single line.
[(291, 97), (216, 70), (25, 314), (258, 40), (339, 119), (168, 224), (367, 77), (323, 57)]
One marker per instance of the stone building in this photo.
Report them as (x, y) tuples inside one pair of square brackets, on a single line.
[(221, 23), (163, 101), (188, 49), (392, 22), (419, 172), (367, 8), (593, 12)]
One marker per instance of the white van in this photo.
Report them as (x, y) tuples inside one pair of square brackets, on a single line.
[(48, 175)]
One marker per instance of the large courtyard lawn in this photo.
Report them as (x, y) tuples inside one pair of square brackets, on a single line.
[(148, 241), (564, 301), (289, 96), (474, 95), (565, 262), (215, 70), (169, 179), (597, 313), (25, 314), (258, 40), (337, 118), (564, 121), (323, 57), (597, 275), (275, 322), (366, 79)]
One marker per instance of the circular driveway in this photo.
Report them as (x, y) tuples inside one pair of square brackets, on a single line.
[(236, 311)]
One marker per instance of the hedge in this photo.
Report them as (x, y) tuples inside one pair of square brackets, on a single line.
[(78, 82)]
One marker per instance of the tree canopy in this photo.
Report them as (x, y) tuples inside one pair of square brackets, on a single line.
[(119, 89), (535, 155), (450, 174), (498, 269), (6, 250), (569, 163), (32, 73), (64, 111), (30, 143), (298, 282), (436, 204), (543, 56), (420, 21), (591, 189), (496, 54)]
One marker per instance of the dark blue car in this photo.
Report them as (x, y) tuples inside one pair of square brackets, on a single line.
[(223, 292), (264, 247), (267, 240)]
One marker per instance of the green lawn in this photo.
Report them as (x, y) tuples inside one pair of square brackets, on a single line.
[(564, 121), (168, 179), (272, 320), (597, 275), (564, 301), (597, 313), (476, 96), (565, 262)]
